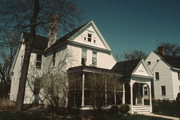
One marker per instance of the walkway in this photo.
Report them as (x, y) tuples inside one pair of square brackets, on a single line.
[(162, 116)]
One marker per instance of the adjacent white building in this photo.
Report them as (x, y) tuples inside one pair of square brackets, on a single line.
[(166, 70)]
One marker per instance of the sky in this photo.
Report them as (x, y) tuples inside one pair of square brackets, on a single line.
[(134, 24)]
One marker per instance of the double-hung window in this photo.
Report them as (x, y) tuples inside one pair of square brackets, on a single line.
[(157, 75), (163, 90), (83, 56), (38, 61), (94, 58), (54, 58), (89, 37)]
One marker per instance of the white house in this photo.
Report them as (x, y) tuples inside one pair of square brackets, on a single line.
[(166, 70), (84, 55), (84, 45)]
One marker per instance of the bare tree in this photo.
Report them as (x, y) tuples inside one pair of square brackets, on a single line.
[(53, 90), (31, 16), (169, 49), (132, 55), (4, 77)]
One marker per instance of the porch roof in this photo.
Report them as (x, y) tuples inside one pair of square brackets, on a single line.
[(92, 69)]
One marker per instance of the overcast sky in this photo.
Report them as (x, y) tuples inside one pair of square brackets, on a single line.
[(135, 24)]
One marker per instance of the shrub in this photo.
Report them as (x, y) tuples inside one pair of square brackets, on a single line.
[(155, 108), (124, 108), (113, 110), (6, 104), (178, 97)]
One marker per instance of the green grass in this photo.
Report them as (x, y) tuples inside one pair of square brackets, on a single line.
[(37, 115)]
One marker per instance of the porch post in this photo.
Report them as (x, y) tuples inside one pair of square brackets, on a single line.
[(106, 92), (123, 98), (131, 87), (83, 82), (142, 95), (150, 95)]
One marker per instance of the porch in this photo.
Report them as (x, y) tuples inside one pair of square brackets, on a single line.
[(138, 95)]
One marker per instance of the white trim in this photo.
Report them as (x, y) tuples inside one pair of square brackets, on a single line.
[(91, 23)]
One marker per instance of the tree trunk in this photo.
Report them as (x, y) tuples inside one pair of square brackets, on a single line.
[(27, 54)]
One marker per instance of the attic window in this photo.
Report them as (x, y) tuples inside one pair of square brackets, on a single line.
[(178, 75), (149, 62), (89, 37), (94, 41)]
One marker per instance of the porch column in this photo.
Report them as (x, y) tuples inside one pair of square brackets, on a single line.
[(142, 95), (150, 95), (83, 82), (131, 89), (106, 93), (123, 98)]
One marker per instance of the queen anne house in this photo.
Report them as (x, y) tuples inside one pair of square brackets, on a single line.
[(88, 61), (166, 71)]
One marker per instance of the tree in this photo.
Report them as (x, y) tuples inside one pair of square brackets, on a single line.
[(132, 55), (31, 16), (169, 49), (53, 90), (4, 77)]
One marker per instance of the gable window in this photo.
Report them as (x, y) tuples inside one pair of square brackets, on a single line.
[(163, 90), (89, 37), (157, 75), (94, 58), (149, 62), (54, 58), (178, 75), (83, 57), (38, 60)]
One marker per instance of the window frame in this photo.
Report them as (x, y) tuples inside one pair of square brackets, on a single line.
[(38, 61), (157, 76), (89, 37), (83, 56), (163, 90), (54, 58), (149, 62), (94, 58)]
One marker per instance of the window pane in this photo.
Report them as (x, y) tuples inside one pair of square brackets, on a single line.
[(94, 58), (89, 37), (38, 60), (157, 75), (163, 90)]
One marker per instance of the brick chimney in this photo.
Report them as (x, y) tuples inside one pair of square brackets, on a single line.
[(53, 29), (161, 50)]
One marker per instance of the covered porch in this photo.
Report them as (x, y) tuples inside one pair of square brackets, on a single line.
[(94, 88), (136, 79), (138, 95)]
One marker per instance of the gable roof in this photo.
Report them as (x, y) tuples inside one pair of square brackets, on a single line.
[(65, 38), (126, 68), (170, 60), (68, 37), (39, 44)]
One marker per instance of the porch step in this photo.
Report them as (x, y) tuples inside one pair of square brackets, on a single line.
[(142, 109)]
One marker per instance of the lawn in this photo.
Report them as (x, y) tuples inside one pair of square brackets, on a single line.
[(36, 115)]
